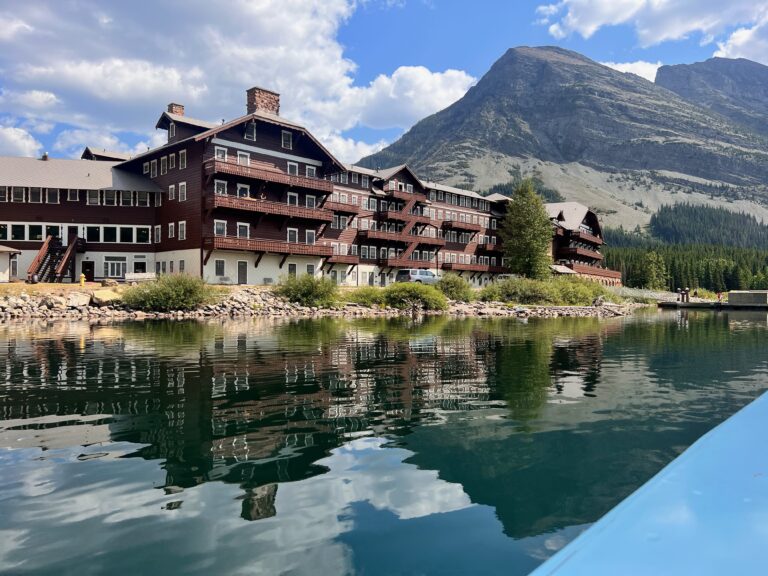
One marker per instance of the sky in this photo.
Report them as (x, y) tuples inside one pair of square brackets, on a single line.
[(356, 73)]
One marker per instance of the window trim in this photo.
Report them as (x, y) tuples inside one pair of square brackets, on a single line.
[(182, 231), (182, 159), (215, 185), (182, 191), (215, 222), (158, 234), (295, 166), (283, 134), (288, 235), (171, 229), (248, 233), (312, 169), (216, 153)]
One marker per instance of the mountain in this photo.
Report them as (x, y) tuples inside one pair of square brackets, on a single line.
[(612, 140), (736, 89)]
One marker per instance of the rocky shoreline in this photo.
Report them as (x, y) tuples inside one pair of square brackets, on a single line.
[(105, 305)]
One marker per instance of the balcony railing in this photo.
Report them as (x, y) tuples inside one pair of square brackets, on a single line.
[(344, 259), (473, 267), (267, 172), (586, 237), (489, 247), (343, 208), (427, 240), (583, 252), (457, 225), (268, 207), (268, 246), (595, 271), (405, 263), (407, 196), (403, 216), (382, 235)]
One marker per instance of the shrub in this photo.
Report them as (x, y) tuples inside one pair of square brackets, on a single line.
[(169, 292), (367, 296), (490, 292), (455, 287), (407, 295), (308, 290), (555, 291)]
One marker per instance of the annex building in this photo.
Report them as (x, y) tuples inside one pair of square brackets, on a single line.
[(253, 199)]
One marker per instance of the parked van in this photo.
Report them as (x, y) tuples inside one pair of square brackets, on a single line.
[(416, 275)]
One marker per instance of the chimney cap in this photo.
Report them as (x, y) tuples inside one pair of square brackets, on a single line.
[(176, 108), (260, 89)]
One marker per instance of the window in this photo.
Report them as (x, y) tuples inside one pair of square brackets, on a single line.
[(110, 234), (35, 232), (287, 140), (182, 191), (311, 269), (162, 267), (343, 198), (182, 159), (293, 168), (142, 199), (158, 199), (243, 190), (3, 231), (309, 236), (250, 131), (220, 153), (409, 188), (219, 266), (126, 198), (93, 234), (219, 187), (310, 201), (364, 181), (158, 234), (52, 196), (344, 178), (355, 177), (171, 130), (142, 235), (181, 266), (243, 158), (292, 270), (163, 165), (183, 230), (310, 172), (115, 266), (243, 230), (170, 266), (172, 161), (293, 199), (171, 230), (172, 192), (18, 232), (153, 169), (126, 235), (493, 224), (73, 195), (364, 252), (110, 198), (35, 196), (219, 227), (293, 235), (146, 168)]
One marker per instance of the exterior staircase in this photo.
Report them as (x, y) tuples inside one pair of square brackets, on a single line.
[(54, 262)]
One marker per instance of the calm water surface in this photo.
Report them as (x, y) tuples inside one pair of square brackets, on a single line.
[(332, 447)]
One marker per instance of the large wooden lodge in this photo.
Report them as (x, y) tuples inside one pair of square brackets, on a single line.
[(251, 200)]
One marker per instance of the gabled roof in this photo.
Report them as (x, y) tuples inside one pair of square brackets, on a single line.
[(167, 117), (272, 119), (453, 190), (96, 154), (496, 197), (568, 215), (70, 174), (6, 250)]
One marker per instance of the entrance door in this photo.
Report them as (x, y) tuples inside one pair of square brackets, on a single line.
[(242, 272), (88, 267)]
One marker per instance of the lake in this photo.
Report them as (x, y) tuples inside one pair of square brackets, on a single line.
[(367, 447)]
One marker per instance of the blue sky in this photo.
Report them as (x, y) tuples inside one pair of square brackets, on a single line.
[(358, 73)]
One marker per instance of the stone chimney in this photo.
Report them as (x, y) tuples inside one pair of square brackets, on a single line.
[(177, 109), (261, 100)]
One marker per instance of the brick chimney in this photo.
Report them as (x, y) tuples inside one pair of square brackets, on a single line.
[(177, 109), (261, 100)]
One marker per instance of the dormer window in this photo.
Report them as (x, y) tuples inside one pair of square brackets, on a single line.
[(287, 140), (250, 131), (171, 130)]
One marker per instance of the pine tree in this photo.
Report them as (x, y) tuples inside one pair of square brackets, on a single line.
[(526, 233)]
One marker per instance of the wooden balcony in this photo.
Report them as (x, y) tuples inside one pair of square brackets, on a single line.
[(581, 252), (458, 267), (407, 196), (487, 246), (426, 240), (404, 263), (586, 237), (456, 225), (381, 235), (342, 207), (267, 172), (266, 246), (268, 207), (595, 271), (399, 216), (344, 259)]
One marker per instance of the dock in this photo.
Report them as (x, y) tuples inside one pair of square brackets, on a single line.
[(736, 300)]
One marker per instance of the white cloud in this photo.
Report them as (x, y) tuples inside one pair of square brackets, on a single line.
[(10, 27), (654, 21), (642, 68), (38, 99), (113, 68), (749, 42), (16, 141)]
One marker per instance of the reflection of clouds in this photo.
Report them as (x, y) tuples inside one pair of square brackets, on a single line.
[(106, 508)]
